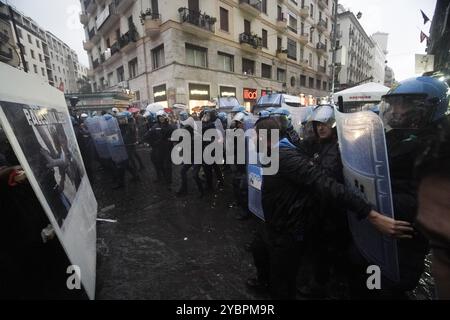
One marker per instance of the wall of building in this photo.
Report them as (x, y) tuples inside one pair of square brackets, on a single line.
[(174, 35)]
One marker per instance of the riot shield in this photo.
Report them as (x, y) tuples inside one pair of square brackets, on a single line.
[(114, 139), (300, 116), (98, 136), (254, 173), (366, 169)]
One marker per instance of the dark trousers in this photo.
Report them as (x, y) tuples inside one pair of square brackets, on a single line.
[(121, 169), (277, 259), (163, 165), (208, 169), (195, 174), (134, 157)]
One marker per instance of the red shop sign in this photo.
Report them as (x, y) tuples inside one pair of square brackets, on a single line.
[(250, 94)]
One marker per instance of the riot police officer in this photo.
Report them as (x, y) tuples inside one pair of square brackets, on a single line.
[(287, 127), (159, 139)]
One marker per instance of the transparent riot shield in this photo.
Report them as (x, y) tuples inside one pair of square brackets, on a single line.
[(114, 139), (254, 172), (98, 136), (366, 169)]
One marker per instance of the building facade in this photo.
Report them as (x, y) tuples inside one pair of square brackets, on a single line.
[(389, 78), (358, 48), (190, 51), (44, 54), (439, 41), (378, 61)]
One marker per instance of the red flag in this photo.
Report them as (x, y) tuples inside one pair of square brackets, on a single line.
[(61, 86), (423, 36), (425, 18)]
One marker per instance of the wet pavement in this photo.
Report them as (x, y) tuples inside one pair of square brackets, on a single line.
[(164, 247)]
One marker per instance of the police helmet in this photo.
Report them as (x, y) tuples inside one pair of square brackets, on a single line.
[(239, 117), (183, 116), (415, 103), (222, 116), (271, 109), (264, 114), (324, 114), (283, 113), (238, 109)]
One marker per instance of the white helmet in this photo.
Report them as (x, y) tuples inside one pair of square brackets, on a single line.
[(115, 110), (84, 116), (239, 117), (161, 113)]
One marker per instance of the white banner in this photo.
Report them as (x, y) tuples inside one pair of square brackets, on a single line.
[(35, 118)]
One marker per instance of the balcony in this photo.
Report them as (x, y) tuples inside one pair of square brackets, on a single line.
[(95, 63), (323, 4), (304, 63), (107, 19), (321, 48), (127, 41), (199, 24), (303, 38), (282, 54), (304, 12), (84, 18), (251, 7), (88, 45), (113, 54), (122, 5), (152, 23), (281, 23), (250, 42), (90, 6), (322, 70), (322, 26)]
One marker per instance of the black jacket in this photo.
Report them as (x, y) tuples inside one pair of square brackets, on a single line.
[(290, 196)]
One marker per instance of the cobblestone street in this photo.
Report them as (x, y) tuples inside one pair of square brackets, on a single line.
[(164, 247)]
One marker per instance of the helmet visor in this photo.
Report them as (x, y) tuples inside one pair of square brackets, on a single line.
[(405, 111)]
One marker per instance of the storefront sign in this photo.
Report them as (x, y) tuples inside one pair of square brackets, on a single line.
[(227, 92), (199, 92), (250, 94), (160, 93)]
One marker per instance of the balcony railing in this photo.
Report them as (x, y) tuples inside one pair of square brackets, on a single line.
[(91, 33), (198, 19), (115, 48), (149, 15), (254, 3), (321, 69), (95, 63), (251, 39), (127, 38), (321, 46)]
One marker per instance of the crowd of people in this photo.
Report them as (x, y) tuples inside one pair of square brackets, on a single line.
[(307, 201)]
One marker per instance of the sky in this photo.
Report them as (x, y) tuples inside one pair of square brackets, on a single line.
[(403, 21), (400, 18)]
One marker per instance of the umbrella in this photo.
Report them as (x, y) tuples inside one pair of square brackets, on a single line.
[(134, 110), (154, 107)]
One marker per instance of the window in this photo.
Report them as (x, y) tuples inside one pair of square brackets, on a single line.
[(54, 67), (310, 60), (40, 57), (59, 69), (158, 57), (247, 27), (266, 71), (264, 38), (324, 86), (120, 74), (303, 81), (51, 55), (292, 49), (19, 32), (311, 36), (264, 6), (279, 43), (281, 75), (302, 28), (226, 62), (43, 71), (248, 66), (224, 19), (111, 79), (37, 44), (35, 68), (318, 84), (56, 79), (292, 23), (155, 9), (279, 13), (293, 81), (311, 83), (302, 53), (196, 56), (29, 39), (311, 11), (32, 54), (133, 68)]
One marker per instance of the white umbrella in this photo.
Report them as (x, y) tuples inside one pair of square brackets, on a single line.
[(371, 91), (154, 107)]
